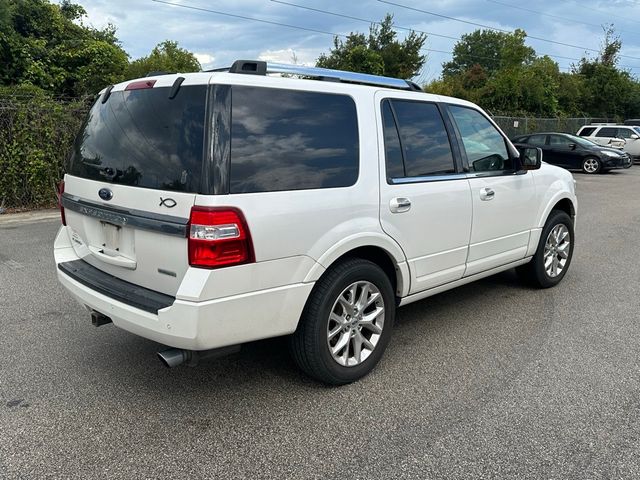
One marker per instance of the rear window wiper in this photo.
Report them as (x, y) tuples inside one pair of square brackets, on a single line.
[(107, 94), (175, 88)]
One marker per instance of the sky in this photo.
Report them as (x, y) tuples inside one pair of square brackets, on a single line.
[(218, 39)]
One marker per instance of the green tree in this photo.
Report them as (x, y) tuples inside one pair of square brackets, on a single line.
[(47, 46), (607, 90), (471, 85), (167, 57), (570, 93), (474, 78), (539, 85), (491, 50), (381, 53), (500, 73), (503, 92), (524, 89), (611, 46)]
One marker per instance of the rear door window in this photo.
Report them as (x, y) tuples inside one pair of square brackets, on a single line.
[(559, 141), (585, 132), (392, 146), (607, 132), (292, 140), (142, 138), (419, 140), (538, 140)]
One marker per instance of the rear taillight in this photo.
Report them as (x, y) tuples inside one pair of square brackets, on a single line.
[(60, 192), (218, 237)]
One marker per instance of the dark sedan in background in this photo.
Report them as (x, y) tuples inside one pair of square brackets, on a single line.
[(572, 152)]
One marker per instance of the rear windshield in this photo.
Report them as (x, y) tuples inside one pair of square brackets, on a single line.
[(142, 138), (581, 141)]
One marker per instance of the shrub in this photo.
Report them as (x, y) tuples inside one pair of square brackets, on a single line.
[(36, 135)]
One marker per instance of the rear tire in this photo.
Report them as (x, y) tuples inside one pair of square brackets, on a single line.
[(591, 165), (352, 306), (553, 256)]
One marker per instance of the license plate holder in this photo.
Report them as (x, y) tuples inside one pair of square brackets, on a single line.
[(111, 238)]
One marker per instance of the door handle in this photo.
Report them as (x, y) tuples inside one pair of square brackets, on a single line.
[(487, 194), (399, 205)]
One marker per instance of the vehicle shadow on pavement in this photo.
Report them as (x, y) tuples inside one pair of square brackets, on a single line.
[(131, 360)]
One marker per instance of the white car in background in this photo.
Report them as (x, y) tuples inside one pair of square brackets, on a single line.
[(613, 135)]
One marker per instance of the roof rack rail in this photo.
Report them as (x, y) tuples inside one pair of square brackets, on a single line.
[(157, 73), (257, 67)]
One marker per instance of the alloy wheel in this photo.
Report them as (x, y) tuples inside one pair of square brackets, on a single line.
[(556, 250), (591, 165), (355, 323)]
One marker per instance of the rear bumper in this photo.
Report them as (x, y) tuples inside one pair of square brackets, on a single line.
[(185, 324), (112, 287)]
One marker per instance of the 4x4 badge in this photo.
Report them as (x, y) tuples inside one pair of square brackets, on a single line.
[(167, 202)]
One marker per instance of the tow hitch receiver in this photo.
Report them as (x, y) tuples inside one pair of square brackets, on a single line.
[(98, 319)]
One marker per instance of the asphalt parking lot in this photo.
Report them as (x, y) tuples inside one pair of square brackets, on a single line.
[(492, 380)]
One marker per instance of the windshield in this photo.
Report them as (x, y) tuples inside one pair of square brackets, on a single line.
[(143, 138)]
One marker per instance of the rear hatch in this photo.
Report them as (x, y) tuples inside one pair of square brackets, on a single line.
[(132, 179)]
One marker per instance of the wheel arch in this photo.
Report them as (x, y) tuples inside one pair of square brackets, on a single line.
[(562, 200), (566, 206), (379, 249)]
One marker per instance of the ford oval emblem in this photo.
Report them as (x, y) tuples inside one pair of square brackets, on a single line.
[(105, 194)]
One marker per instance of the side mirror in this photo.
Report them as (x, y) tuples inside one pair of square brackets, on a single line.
[(572, 146), (530, 158), (634, 136)]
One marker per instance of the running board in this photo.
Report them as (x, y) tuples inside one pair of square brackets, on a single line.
[(463, 281)]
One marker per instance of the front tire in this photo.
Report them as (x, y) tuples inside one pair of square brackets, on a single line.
[(591, 165), (553, 256), (346, 324)]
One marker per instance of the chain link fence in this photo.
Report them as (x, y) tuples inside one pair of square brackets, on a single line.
[(514, 126), (36, 134)]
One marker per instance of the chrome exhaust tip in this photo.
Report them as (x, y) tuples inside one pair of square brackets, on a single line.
[(177, 356), (173, 357)]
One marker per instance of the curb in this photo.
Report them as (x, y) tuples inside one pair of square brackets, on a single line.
[(29, 217)]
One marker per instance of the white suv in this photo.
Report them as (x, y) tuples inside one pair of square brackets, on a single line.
[(609, 134), (206, 210)]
